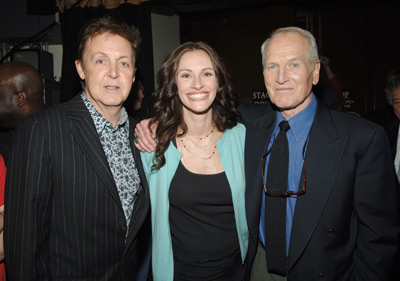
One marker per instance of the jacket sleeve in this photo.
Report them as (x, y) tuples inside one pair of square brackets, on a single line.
[(377, 211), (28, 205)]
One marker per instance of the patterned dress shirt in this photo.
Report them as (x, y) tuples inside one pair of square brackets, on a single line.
[(116, 146)]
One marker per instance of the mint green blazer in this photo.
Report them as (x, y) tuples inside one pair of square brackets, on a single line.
[(231, 151)]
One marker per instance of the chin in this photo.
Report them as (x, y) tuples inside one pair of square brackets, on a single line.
[(114, 100), (283, 105)]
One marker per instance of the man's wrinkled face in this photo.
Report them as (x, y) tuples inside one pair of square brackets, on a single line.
[(108, 68), (8, 107), (288, 75)]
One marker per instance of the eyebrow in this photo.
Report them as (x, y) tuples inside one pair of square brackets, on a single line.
[(186, 69), (293, 59), (105, 55)]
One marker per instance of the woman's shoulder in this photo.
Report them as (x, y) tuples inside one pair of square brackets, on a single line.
[(239, 128), (172, 154), (237, 132)]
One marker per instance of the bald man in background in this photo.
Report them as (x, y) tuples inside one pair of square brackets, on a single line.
[(21, 93)]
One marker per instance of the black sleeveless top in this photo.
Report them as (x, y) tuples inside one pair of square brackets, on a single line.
[(203, 228)]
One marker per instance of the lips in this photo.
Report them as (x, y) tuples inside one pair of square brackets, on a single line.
[(197, 96), (111, 87), (283, 89)]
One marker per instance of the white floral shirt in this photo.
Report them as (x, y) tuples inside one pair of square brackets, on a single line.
[(116, 146)]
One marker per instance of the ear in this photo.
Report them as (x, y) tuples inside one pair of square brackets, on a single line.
[(134, 76), (315, 74), (79, 69), (21, 99)]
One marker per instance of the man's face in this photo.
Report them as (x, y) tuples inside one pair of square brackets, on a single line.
[(8, 109), (396, 102), (139, 95), (108, 68), (288, 75)]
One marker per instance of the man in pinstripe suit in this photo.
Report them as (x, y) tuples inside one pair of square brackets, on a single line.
[(76, 195)]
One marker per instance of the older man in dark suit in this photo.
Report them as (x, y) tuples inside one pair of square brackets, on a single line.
[(76, 195), (337, 217)]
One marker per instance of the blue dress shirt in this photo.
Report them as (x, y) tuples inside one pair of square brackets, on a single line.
[(300, 125)]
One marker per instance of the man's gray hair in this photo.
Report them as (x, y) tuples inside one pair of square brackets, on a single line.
[(312, 45), (392, 83)]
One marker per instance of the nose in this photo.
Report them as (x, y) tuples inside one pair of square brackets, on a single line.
[(282, 75), (140, 94), (113, 71), (197, 82)]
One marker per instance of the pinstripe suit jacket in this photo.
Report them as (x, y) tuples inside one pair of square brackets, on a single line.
[(64, 217)]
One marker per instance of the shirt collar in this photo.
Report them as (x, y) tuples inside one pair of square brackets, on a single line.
[(99, 120), (300, 124)]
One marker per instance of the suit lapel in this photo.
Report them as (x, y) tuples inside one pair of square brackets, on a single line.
[(86, 136), (323, 157), (258, 134), (264, 127), (141, 207)]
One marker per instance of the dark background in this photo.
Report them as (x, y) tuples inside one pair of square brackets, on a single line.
[(361, 38)]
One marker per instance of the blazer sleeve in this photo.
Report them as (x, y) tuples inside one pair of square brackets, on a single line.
[(377, 211), (28, 205)]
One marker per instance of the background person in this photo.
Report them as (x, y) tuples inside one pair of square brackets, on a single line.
[(133, 103), (3, 171), (391, 123), (332, 96), (21, 94), (385, 114)]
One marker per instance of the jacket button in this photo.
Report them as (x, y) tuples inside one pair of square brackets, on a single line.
[(321, 275), (123, 227), (331, 230)]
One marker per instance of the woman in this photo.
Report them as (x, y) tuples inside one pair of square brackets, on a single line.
[(196, 174)]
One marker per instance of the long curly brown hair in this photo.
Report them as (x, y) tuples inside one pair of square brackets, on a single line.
[(166, 109)]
